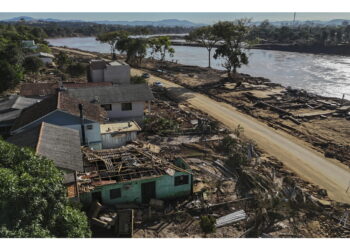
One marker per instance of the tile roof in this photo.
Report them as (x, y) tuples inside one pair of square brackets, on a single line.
[(59, 144), (114, 94), (45, 89), (63, 102), (87, 84), (38, 89)]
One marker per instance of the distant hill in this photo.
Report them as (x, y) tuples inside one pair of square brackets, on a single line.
[(162, 23), (333, 22)]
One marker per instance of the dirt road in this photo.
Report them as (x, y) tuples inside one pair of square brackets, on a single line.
[(78, 52), (294, 153)]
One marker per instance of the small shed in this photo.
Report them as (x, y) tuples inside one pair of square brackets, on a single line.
[(117, 134)]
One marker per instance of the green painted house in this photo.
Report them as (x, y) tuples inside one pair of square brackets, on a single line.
[(151, 178)]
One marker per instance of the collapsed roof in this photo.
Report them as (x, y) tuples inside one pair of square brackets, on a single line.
[(123, 164)]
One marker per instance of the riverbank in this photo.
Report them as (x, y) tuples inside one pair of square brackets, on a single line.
[(322, 122), (343, 50)]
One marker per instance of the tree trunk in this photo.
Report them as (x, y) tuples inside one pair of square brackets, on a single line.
[(209, 52)]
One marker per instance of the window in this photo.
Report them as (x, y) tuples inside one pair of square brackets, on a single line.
[(89, 126), (126, 106), (107, 107), (181, 180), (115, 193)]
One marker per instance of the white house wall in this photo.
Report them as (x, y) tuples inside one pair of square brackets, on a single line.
[(117, 74), (92, 136), (136, 113), (46, 60), (118, 140), (97, 75)]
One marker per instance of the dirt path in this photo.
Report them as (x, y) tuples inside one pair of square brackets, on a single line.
[(78, 52), (294, 153)]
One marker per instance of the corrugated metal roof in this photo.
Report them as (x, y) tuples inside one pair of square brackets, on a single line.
[(114, 94), (16, 102)]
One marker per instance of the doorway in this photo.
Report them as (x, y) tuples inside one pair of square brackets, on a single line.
[(148, 191)]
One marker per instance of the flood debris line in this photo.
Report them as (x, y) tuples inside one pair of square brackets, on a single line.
[(324, 122), (236, 189)]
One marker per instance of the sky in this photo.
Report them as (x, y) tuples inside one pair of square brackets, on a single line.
[(206, 18)]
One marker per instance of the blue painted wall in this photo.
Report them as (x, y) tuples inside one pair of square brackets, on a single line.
[(131, 191), (60, 118)]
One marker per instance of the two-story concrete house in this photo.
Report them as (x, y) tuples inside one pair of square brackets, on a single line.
[(62, 110), (121, 101), (115, 71)]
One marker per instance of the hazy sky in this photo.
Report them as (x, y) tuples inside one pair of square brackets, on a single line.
[(194, 17)]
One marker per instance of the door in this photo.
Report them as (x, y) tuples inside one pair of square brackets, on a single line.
[(148, 191), (97, 196)]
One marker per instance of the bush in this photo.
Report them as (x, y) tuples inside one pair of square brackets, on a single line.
[(10, 75), (228, 144), (138, 80), (76, 69), (207, 224), (160, 125), (32, 64)]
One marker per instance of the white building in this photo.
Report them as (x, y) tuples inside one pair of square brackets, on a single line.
[(121, 101), (102, 71), (118, 134), (46, 58)]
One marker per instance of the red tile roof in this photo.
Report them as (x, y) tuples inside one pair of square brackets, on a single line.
[(60, 101)]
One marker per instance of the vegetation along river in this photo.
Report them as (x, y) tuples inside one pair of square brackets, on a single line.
[(327, 75)]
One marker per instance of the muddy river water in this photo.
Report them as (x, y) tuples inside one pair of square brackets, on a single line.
[(327, 75)]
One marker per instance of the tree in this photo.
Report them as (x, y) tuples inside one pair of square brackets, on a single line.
[(76, 69), (112, 38), (33, 199), (206, 37), (161, 45), (32, 64), (62, 59), (135, 49), (10, 75), (233, 35)]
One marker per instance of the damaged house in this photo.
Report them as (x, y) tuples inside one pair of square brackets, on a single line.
[(131, 175), (63, 110), (121, 101), (59, 144)]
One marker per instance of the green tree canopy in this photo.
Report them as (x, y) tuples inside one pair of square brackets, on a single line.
[(161, 45), (135, 49), (33, 200), (233, 35), (32, 64), (206, 37), (76, 69), (112, 38)]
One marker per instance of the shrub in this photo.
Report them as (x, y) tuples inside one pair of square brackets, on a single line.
[(207, 224), (76, 69)]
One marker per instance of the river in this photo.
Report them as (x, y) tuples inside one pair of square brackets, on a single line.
[(327, 75)]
